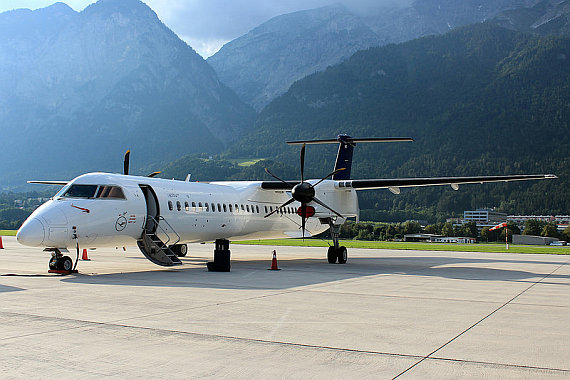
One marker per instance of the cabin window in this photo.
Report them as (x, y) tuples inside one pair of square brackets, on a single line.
[(170, 206), (230, 207), (265, 209), (110, 192), (225, 208), (80, 191), (219, 208), (257, 209), (187, 206), (236, 207), (205, 204), (271, 208), (242, 208), (213, 207), (178, 206), (247, 208)]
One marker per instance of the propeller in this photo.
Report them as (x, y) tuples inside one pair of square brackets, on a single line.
[(303, 193), (126, 162)]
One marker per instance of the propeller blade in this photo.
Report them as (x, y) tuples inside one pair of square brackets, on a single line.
[(303, 217), (303, 163), (325, 206), (333, 173), (126, 162), (280, 207), (277, 178)]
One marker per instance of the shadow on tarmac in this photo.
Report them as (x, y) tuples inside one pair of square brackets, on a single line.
[(253, 274)]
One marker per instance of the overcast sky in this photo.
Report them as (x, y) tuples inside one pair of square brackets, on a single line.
[(208, 24)]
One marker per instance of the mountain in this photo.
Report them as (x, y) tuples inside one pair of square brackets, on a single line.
[(479, 100), (429, 17), (81, 88), (548, 17), (263, 63)]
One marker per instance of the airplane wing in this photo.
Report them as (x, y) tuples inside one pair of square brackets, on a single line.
[(59, 183), (395, 184)]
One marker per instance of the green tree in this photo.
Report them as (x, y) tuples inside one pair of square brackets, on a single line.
[(533, 227), (432, 229), (411, 227), (488, 235), (469, 229), (447, 229), (549, 230), (566, 234)]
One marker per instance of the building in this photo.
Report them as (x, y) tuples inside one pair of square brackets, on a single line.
[(455, 239), (484, 218), (431, 238), (532, 240), (561, 221)]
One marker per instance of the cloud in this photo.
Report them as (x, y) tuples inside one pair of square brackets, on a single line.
[(7, 5), (207, 24)]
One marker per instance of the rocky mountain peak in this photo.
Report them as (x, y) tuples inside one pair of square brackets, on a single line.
[(263, 63), (89, 85), (127, 8)]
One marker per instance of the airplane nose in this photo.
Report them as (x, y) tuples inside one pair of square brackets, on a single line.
[(32, 233)]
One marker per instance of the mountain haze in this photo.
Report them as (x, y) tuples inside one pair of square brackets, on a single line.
[(479, 100), (263, 63), (81, 88), (548, 17)]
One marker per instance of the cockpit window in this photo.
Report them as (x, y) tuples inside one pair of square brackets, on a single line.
[(106, 191), (80, 191), (92, 191)]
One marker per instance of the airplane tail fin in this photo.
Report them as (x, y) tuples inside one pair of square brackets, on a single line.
[(346, 149)]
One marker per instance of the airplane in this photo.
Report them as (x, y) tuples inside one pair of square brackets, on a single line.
[(162, 216)]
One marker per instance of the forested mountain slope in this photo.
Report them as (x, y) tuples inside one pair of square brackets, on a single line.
[(478, 100)]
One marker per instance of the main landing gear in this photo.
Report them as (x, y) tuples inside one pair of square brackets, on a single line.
[(336, 253), (59, 262), (221, 261)]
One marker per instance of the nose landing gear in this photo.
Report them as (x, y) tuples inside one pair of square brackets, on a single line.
[(59, 263)]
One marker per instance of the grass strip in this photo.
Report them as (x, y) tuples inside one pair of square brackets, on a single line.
[(479, 247)]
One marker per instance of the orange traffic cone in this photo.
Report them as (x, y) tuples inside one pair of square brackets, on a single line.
[(274, 262), (84, 257), (1, 246)]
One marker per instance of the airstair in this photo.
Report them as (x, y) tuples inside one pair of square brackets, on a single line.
[(154, 249)]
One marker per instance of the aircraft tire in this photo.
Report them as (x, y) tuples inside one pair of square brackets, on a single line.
[(342, 254), (53, 263), (182, 250), (332, 255), (65, 263)]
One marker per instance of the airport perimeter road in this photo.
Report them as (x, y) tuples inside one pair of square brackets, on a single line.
[(385, 314)]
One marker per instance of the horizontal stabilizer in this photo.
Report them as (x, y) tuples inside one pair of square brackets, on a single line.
[(59, 183), (351, 140)]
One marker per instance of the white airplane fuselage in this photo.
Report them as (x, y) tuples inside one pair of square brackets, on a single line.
[(235, 211)]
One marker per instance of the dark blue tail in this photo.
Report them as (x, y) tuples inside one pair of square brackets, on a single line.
[(344, 157), (345, 149)]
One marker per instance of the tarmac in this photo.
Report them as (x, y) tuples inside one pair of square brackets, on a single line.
[(385, 314)]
